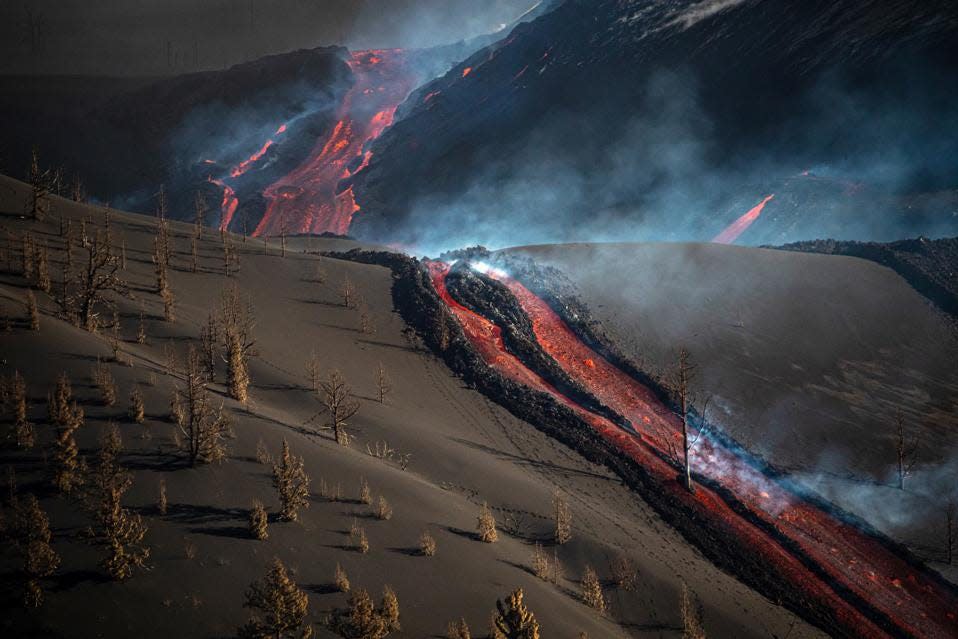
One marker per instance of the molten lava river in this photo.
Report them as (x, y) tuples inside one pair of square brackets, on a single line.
[(736, 228), (867, 589), (309, 199)]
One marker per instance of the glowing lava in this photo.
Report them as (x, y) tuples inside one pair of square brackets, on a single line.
[(310, 199), (229, 204), (738, 227), (836, 566)]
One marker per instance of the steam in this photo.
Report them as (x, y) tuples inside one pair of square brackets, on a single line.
[(702, 11)]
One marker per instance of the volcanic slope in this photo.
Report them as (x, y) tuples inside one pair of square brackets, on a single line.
[(806, 358), (463, 450), (612, 117)]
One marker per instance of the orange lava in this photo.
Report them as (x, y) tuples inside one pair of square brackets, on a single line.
[(918, 606), (229, 204), (309, 199), (466, 71), (736, 228)]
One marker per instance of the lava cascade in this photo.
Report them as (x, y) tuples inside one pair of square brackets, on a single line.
[(309, 199), (855, 561), (736, 228)]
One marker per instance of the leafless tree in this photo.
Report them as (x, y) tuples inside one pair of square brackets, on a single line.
[(685, 399), (347, 291), (208, 344), (39, 188), (906, 453), (200, 209), (98, 275), (383, 383), (339, 405), (235, 323), (313, 371), (204, 425)]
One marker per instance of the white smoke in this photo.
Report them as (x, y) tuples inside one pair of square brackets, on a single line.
[(702, 11)]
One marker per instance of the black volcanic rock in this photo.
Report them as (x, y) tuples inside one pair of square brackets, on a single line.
[(605, 117)]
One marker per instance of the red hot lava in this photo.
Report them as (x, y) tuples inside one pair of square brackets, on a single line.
[(857, 562), (230, 202), (738, 227), (309, 199)]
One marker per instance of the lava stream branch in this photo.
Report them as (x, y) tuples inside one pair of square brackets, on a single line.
[(739, 226)]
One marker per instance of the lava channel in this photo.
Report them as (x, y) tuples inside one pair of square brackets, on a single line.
[(814, 551), (858, 561), (736, 228), (309, 199)]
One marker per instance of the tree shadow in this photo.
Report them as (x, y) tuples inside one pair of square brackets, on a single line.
[(69, 580), (526, 461), (319, 303), (233, 532), (194, 514), (321, 589), (409, 552), (467, 534)]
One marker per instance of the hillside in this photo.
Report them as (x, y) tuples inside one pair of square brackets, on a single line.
[(463, 450)]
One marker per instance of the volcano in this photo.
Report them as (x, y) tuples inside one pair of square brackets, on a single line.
[(660, 119)]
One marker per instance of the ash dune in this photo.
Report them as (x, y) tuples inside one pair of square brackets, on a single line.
[(464, 450)]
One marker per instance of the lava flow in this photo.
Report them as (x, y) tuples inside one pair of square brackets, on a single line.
[(831, 562), (736, 228), (309, 199), (230, 200)]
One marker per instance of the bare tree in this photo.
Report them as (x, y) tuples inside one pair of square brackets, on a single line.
[(204, 426), (292, 483), (39, 188), (235, 324), (162, 204), (33, 314), (685, 399), (77, 192), (906, 453), (32, 536), (200, 209), (486, 525), (336, 396), (563, 518), (313, 371), (23, 431), (208, 344), (383, 383), (347, 291), (592, 589), (98, 276), (42, 268), (514, 620), (691, 615)]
